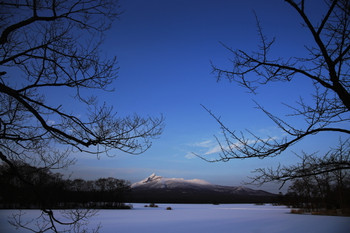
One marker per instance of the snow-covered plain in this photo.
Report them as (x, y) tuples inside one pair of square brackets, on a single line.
[(240, 218)]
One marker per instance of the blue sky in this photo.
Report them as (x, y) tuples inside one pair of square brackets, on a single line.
[(164, 49)]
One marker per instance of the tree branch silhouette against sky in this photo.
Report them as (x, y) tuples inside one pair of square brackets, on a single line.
[(164, 51)]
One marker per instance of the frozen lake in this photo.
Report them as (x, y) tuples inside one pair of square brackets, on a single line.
[(240, 218)]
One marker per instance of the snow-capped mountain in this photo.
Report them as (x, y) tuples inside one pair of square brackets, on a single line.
[(159, 189), (156, 182)]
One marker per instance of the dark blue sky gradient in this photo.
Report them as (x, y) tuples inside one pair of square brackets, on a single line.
[(164, 49)]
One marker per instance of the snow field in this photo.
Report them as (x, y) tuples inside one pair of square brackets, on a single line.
[(240, 218)]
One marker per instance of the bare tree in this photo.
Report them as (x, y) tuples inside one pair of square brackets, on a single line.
[(54, 46), (319, 182), (326, 65), (334, 161)]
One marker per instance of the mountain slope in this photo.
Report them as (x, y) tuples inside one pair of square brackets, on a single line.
[(159, 189), (157, 182)]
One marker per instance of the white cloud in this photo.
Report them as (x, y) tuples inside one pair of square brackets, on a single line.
[(190, 155), (199, 147), (209, 147), (213, 150), (203, 144), (217, 148)]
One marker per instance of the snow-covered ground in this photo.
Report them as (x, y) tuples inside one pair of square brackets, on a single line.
[(238, 218)]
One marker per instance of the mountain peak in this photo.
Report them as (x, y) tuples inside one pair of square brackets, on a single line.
[(152, 177), (156, 188), (155, 181)]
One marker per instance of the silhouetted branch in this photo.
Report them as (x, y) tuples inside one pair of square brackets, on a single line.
[(337, 159), (55, 46), (327, 66)]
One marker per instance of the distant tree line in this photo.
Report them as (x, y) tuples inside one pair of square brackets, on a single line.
[(195, 196), (41, 188), (327, 193)]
